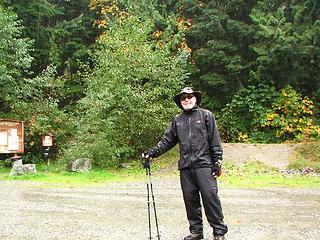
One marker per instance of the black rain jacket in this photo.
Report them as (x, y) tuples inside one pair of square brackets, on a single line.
[(198, 137)]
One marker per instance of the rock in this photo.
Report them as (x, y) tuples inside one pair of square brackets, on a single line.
[(18, 169), (79, 165), (17, 163), (125, 165), (16, 160), (303, 171)]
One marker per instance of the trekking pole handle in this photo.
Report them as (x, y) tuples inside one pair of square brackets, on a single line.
[(146, 161)]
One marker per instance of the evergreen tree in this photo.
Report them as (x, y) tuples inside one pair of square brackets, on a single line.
[(220, 40), (287, 45), (62, 30)]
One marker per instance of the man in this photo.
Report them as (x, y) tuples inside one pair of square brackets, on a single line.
[(200, 162)]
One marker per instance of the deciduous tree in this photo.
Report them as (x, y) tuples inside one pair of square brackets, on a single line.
[(15, 59), (129, 97)]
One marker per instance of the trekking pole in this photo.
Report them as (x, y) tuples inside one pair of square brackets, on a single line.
[(153, 202), (148, 202)]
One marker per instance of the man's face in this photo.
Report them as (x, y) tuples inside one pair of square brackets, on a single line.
[(188, 101)]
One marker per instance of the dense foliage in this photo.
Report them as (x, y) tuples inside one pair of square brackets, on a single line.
[(62, 31), (287, 46), (39, 109), (15, 60), (34, 101), (100, 74), (220, 40), (262, 114), (128, 100), (240, 43)]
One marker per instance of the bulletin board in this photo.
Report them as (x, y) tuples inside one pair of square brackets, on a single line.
[(11, 136)]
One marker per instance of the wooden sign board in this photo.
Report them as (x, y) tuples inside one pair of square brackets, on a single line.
[(11, 136)]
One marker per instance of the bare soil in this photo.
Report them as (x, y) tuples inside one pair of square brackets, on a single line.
[(276, 155)]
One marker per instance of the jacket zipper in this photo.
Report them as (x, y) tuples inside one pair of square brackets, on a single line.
[(190, 135)]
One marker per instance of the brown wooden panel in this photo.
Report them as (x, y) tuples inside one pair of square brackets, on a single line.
[(11, 136)]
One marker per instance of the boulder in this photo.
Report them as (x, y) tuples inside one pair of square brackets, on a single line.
[(17, 162), (18, 169), (125, 165), (79, 165)]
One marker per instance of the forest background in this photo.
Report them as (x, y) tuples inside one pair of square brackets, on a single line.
[(99, 75)]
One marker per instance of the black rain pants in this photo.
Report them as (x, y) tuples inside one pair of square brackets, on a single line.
[(200, 181)]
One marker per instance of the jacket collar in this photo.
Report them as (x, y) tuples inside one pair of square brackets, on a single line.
[(195, 108)]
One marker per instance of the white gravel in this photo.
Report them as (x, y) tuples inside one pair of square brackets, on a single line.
[(118, 211)]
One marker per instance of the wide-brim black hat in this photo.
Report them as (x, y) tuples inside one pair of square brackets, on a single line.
[(187, 90)]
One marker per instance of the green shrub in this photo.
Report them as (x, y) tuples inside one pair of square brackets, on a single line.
[(263, 115), (241, 119), (291, 117), (41, 114), (128, 101)]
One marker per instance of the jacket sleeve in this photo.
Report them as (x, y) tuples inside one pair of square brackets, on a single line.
[(214, 138), (168, 140)]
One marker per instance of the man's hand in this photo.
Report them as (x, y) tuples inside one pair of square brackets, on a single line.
[(146, 159), (216, 171)]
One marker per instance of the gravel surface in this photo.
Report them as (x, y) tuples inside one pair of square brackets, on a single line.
[(118, 211)]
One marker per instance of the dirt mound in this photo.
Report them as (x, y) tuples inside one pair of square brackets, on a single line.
[(277, 155)]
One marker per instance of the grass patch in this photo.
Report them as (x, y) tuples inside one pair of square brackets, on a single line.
[(259, 175), (231, 179), (73, 179), (248, 175), (270, 180)]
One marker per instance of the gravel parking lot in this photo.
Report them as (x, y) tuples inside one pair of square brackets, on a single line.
[(118, 211)]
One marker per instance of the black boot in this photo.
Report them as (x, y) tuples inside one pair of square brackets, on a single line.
[(194, 236), (218, 237)]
